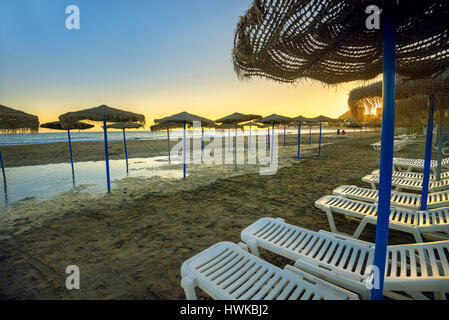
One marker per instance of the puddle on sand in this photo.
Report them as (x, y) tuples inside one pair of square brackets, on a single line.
[(45, 181)]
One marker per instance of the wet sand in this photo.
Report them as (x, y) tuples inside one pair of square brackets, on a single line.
[(130, 244)]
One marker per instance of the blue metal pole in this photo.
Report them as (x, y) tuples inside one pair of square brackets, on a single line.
[(268, 130), (235, 150), (249, 140), (428, 155), (386, 152), (299, 138), (184, 152), (202, 139), (319, 143), (71, 157), (126, 151), (106, 153), (168, 144), (272, 143), (284, 135), (3, 168), (310, 134)]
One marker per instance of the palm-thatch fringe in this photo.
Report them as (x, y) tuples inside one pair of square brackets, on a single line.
[(100, 113), (238, 117), (15, 121), (56, 125), (124, 125)]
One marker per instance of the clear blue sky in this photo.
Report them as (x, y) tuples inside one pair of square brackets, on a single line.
[(156, 57)]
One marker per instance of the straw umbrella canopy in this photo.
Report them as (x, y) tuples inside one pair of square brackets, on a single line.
[(56, 125), (186, 119), (15, 121), (276, 119), (103, 114), (332, 41), (237, 117), (123, 126), (167, 126)]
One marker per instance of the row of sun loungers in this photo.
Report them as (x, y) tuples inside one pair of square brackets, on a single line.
[(331, 265), (408, 165), (399, 142), (408, 183)]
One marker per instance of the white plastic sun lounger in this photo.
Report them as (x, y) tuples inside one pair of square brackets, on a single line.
[(411, 269), (398, 145), (408, 165), (414, 175), (227, 271), (408, 184), (432, 223), (398, 199)]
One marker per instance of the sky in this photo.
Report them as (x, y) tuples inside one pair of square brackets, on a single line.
[(155, 57)]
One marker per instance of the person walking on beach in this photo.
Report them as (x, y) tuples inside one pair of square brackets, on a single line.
[(338, 132), (343, 132)]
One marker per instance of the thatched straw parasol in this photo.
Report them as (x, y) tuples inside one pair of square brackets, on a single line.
[(250, 125), (167, 126), (320, 119), (333, 41), (237, 118), (103, 114), (15, 121), (123, 126), (276, 119), (56, 125), (186, 119)]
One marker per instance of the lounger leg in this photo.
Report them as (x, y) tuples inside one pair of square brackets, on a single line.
[(330, 218), (253, 247), (189, 288), (439, 296), (360, 228), (373, 185), (418, 237)]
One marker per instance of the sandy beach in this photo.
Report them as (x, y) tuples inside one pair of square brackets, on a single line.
[(130, 244)]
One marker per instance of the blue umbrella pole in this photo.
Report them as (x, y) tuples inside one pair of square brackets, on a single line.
[(284, 135), (3, 168), (272, 143), (202, 139), (168, 144), (249, 140), (319, 142), (235, 150), (386, 154), (268, 133), (71, 156), (126, 151), (440, 151), (299, 139), (184, 152), (428, 155), (310, 134), (106, 154)]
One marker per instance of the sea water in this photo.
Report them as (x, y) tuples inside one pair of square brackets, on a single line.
[(46, 181)]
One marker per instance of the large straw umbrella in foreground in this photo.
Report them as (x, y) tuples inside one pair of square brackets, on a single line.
[(272, 120), (15, 121), (417, 96), (102, 114), (186, 119), (234, 119), (282, 40), (123, 126), (56, 125)]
